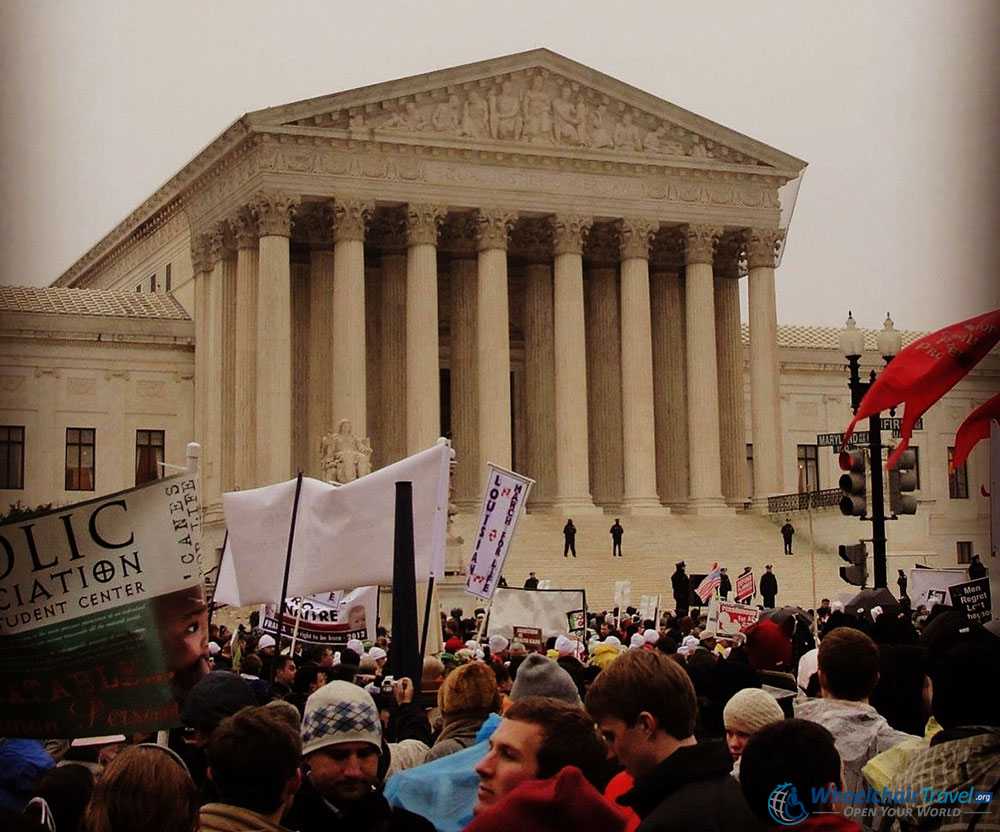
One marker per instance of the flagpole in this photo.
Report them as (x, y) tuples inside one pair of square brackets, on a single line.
[(222, 554), (427, 615), (284, 580)]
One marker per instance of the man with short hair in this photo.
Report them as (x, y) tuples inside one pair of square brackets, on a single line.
[(848, 668), (341, 744), (680, 583), (768, 587), (284, 678), (616, 538), (537, 738), (800, 757), (645, 706), (253, 760)]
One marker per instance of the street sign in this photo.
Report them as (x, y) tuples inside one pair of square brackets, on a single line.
[(860, 437)]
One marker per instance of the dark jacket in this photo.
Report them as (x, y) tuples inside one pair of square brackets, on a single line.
[(725, 586), (692, 789), (310, 813), (569, 530), (681, 584), (768, 585)]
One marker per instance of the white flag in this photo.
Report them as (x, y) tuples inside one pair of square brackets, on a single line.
[(343, 534)]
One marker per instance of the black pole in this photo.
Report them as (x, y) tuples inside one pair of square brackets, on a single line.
[(222, 554), (284, 580), (878, 499), (405, 658), (427, 615)]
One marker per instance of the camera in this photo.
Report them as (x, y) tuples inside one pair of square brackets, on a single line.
[(387, 684)]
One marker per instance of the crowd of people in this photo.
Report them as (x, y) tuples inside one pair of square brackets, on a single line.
[(844, 723)]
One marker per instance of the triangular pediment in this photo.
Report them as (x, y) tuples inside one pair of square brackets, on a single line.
[(529, 101)]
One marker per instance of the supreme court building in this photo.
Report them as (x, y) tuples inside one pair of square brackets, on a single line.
[(522, 253)]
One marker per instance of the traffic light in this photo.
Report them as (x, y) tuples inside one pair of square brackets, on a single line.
[(902, 480), (854, 502), (857, 557)]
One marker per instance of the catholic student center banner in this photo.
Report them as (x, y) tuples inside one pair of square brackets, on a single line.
[(103, 624)]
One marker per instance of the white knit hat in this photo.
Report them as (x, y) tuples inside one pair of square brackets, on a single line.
[(564, 646), (617, 642), (266, 640), (498, 644), (340, 712), (472, 644), (356, 646), (651, 636), (377, 653), (636, 641), (751, 709)]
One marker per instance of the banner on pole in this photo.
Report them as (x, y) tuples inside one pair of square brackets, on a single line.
[(746, 587), (649, 607), (973, 598), (549, 610), (103, 622), (928, 587), (503, 503), (330, 619), (623, 595)]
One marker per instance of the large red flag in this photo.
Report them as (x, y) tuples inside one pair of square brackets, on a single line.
[(975, 427), (925, 370)]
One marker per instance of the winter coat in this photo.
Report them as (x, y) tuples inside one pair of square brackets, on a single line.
[(953, 762), (768, 585), (457, 734), (859, 732), (221, 817), (681, 584), (692, 789), (311, 813)]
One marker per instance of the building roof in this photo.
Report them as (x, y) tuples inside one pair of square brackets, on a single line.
[(90, 302), (823, 337)]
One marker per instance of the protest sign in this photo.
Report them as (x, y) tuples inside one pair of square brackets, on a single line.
[(973, 598), (649, 607), (547, 609), (731, 619), (576, 621), (330, 619), (745, 586), (103, 623), (530, 637), (623, 595), (503, 503), (928, 587)]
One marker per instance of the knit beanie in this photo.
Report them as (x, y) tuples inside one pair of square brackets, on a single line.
[(767, 646), (266, 641), (636, 641), (751, 709), (651, 636), (564, 801), (213, 698), (498, 644), (454, 644), (340, 712), (540, 676), (471, 687), (565, 646), (613, 640)]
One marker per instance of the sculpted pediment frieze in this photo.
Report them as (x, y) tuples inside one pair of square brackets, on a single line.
[(535, 107)]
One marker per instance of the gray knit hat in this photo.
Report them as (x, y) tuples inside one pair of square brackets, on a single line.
[(340, 712), (541, 676)]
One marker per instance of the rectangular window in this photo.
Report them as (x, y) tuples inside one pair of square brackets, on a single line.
[(166, 279), (148, 453), (958, 480), (152, 283), (808, 459), (138, 288), (80, 459), (11, 456), (964, 548)]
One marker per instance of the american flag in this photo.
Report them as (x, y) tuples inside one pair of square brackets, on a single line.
[(709, 584)]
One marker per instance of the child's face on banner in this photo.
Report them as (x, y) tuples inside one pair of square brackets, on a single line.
[(182, 618)]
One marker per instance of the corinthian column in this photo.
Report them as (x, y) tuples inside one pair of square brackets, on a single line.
[(493, 337), (570, 350), (638, 422), (729, 346), (274, 338), (212, 454), (348, 337), (702, 377), (423, 390), (765, 404), (318, 233), (201, 259), (245, 427)]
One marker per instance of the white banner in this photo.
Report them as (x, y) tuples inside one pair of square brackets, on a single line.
[(343, 534), (330, 618), (930, 586), (503, 502), (623, 595), (649, 607), (548, 610)]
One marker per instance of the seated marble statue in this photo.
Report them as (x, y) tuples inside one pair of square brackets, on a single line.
[(345, 457)]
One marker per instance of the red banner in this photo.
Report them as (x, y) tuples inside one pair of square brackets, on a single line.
[(925, 370), (975, 427)]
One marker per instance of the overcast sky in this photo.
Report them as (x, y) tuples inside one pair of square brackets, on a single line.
[(894, 105)]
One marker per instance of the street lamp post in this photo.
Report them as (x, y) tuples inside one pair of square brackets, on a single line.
[(852, 343)]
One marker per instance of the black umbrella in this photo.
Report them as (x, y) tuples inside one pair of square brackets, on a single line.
[(779, 615), (861, 604)]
